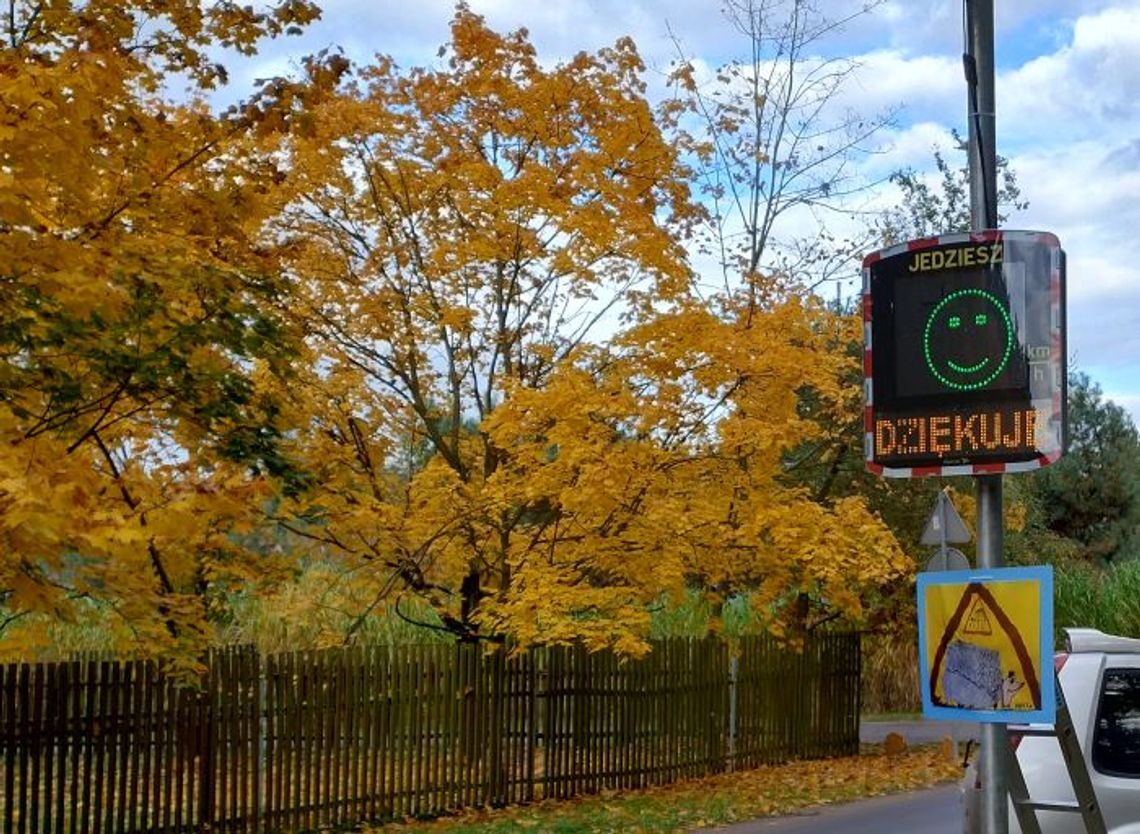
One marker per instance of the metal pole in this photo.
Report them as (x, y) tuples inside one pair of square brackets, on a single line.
[(942, 530), (943, 500), (980, 107), (983, 214), (994, 810)]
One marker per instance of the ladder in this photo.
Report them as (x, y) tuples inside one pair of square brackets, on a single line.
[(1086, 802)]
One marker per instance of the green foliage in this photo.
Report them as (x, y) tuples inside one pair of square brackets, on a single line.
[(927, 210), (319, 608), (688, 616), (323, 608), (1087, 597), (1091, 497), (694, 616), (89, 630)]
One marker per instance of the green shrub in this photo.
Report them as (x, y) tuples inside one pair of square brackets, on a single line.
[(1089, 597)]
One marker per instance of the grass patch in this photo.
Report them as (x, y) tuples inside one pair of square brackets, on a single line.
[(716, 800)]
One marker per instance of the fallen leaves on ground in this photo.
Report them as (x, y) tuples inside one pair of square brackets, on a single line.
[(717, 800)]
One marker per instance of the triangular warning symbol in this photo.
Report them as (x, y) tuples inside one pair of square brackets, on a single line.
[(970, 662), (978, 622)]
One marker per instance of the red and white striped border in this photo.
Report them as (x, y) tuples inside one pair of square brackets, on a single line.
[(985, 236)]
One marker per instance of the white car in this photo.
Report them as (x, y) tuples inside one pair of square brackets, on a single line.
[(1100, 676)]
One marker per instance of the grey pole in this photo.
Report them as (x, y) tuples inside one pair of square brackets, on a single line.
[(983, 214), (942, 530), (994, 810), (980, 106)]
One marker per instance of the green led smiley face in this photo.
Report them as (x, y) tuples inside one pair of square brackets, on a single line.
[(968, 339)]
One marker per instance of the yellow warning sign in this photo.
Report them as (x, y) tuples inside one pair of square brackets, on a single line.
[(983, 642)]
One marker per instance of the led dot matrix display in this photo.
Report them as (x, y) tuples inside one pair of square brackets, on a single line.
[(947, 340), (965, 353)]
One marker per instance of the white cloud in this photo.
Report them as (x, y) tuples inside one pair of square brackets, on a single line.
[(1068, 115), (935, 26), (926, 85), (909, 147), (1080, 91), (1129, 402)]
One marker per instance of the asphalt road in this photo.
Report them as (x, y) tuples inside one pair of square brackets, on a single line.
[(934, 811)]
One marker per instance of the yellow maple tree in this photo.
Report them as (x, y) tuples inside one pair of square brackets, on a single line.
[(517, 408), (138, 311), (431, 330)]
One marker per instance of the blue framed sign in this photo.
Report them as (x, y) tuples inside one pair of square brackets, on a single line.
[(985, 645)]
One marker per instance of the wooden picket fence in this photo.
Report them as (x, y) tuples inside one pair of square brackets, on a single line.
[(300, 741)]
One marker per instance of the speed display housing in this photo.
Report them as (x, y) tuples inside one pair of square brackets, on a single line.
[(964, 363)]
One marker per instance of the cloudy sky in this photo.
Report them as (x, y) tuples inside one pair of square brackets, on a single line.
[(1068, 115)]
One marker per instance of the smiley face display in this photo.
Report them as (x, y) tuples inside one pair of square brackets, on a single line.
[(968, 339)]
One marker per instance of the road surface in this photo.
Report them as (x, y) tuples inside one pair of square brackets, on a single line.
[(934, 811)]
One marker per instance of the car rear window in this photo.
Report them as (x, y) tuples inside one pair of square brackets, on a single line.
[(1116, 743)]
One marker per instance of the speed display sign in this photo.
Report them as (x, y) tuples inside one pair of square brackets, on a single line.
[(964, 354)]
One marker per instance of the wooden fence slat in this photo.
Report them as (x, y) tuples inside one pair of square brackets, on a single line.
[(8, 717), (353, 716), (437, 723), (221, 701), (362, 791), (307, 672), (178, 751), (416, 729), (430, 722), (325, 695), (167, 735), (550, 741), (23, 728), (143, 734), (340, 737), (469, 687), (235, 809), (390, 735), (291, 743), (229, 763), (133, 718), (270, 770), (373, 698), (284, 739), (128, 710), (320, 728), (8, 710), (253, 739), (91, 776), (510, 731), (37, 744), (396, 723), (117, 739), (55, 776), (124, 712), (332, 735)]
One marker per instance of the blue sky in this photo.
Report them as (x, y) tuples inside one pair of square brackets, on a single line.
[(1068, 116)]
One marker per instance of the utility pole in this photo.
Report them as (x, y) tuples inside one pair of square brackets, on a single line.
[(979, 66)]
